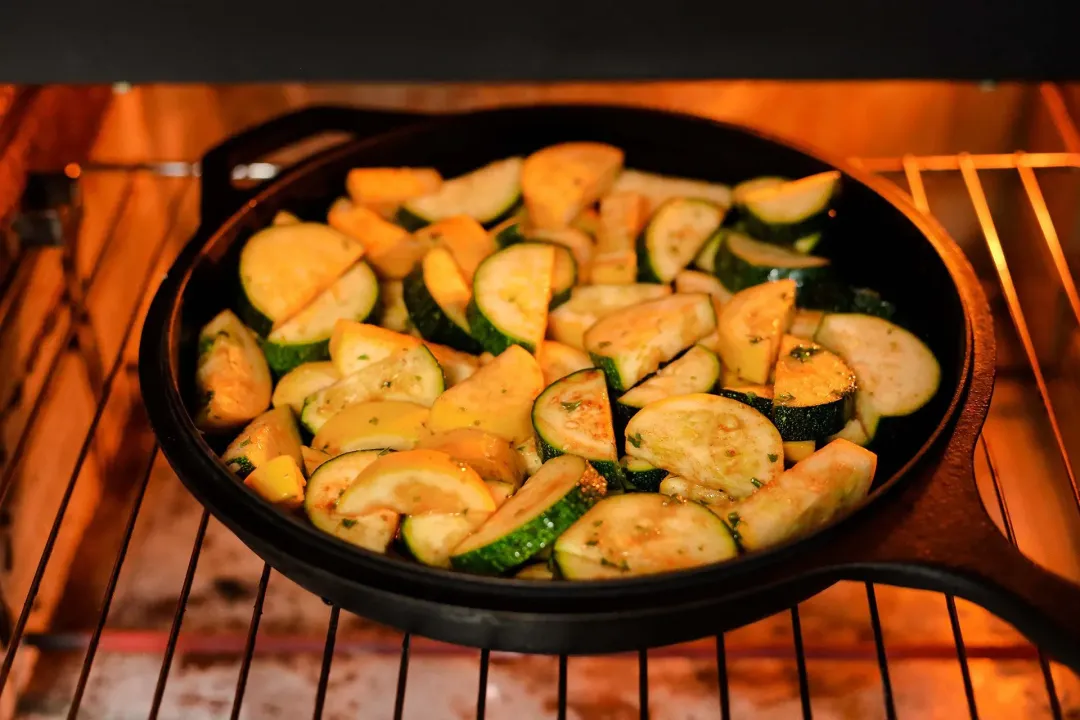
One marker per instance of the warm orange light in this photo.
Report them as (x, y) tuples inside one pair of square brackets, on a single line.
[(72, 170)]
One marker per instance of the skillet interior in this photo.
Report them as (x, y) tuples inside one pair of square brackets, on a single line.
[(872, 244)]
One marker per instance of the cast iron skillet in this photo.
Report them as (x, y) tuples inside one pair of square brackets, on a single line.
[(923, 525)]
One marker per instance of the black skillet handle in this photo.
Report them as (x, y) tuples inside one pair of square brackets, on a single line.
[(221, 198), (938, 536)]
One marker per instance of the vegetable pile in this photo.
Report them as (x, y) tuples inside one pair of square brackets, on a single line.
[(556, 367)]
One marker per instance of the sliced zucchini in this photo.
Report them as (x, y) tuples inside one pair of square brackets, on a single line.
[(632, 343), (853, 432), (748, 186), (302, 381), (578, 243), (759, 397), (536, 571), (279, 481), (559, 181), (380, 424), (640, 475), (411, 376), (787, 212), (797, 451), (431, 538), (394, 315), (231, 377), (492, 457), (497, 399), (825, 485), (658, 189), (283, 268), (383, 189), (896, 372), (814, 391), (618, 267), (573, 416), (511, 292), (284, 217), (436, 295), (306, 336), (751, 326), (564, 275), (743, 262), (561, 492), (710, 440), (569, 321), (674, 236), (622, 217), (487, 195), (417, 482), (354, 346), (697, 371), (373, 531), (558, 360), (457, 366), (642, 534), (676, 486), (529, 455), (268, 436), (805, 323), (693, 281), (312, 459), (705, 260), (465, 238)]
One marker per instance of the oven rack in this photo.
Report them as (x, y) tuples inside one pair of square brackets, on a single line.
[(109, 358)]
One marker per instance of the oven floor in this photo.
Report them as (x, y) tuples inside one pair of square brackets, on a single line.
[(137, 219)]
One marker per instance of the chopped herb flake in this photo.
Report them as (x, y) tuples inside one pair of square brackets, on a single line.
[(734, 520), (603, 344), (773, 457), (755, 339), (348, 523), (387, 383), (802, 353), (571, 406), (244, 443), (365, 356), (374, 421), (635, 439), (785, 397), (592, 543), (757, 483), (597, 523)]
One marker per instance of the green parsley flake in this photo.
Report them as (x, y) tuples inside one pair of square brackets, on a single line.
[(571, 406), (348, 523), (635, 439)]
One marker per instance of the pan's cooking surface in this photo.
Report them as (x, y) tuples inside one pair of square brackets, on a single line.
[(237, 570)]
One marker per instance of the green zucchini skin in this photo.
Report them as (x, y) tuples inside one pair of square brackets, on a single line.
[(514, 549), (611, 372), (797, 424), (489, 337), (412, 221), (787, 234), (738, 273), (260, 324), (512, 234), (834, 297), (283, 358), (761, 403), (645, 478), (429, 319), (610, 470), (241, 466)]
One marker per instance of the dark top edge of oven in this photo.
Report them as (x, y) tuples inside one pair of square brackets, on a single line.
[(496, 40)]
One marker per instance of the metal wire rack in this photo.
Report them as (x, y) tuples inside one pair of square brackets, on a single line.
[(117, 355)]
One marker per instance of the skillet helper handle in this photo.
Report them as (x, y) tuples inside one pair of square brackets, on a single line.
[(221, 198)]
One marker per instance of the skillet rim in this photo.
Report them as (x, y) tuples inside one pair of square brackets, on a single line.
[(216, 488)]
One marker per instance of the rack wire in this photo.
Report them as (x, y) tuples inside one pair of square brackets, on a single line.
[(913, 169)]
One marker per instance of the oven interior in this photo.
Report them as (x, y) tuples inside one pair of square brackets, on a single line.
[(123, 598)]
